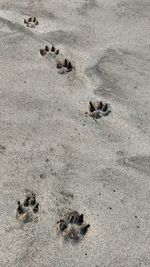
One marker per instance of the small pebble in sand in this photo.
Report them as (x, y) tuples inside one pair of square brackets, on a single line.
[(42, 175)]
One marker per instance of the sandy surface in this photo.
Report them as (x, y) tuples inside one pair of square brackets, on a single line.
[(100, 169)]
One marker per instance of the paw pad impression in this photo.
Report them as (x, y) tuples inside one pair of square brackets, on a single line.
[(64, 66), (98, 109), (27, 211), (71, 226), (53, 51), (31, 22)]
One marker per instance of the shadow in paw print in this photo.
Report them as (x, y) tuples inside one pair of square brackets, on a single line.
[(27, 211), (98, 109), (140, 163), (71, 226), (31, 22)]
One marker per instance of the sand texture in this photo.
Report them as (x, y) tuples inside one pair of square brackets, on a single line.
[(98, 166)]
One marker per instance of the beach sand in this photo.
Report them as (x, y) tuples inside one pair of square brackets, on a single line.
[(48, 144)]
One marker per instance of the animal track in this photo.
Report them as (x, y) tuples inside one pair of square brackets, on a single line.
[(26, 211), (63, 65), (31, 22), (98, 109), (53, 51), (71, 226)]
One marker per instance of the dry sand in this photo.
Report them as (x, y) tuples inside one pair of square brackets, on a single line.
[(100, 169)]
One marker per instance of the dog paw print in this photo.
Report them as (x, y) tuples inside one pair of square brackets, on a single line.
[(71, 226), (98, 109), (27, 211), (31, 22), (64, 66), (51, 51)]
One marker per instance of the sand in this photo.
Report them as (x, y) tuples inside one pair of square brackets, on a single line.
[(48, 145)]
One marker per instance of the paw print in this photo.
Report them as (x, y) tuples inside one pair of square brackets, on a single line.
[(53, 51), (27, 211), (71, 226), (98, 109), (31, 22), (63, 65)]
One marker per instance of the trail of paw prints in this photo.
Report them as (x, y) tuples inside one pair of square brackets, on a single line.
[(27, 211), (31, 22), (71, 226), (98, 109), (63, 65)]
